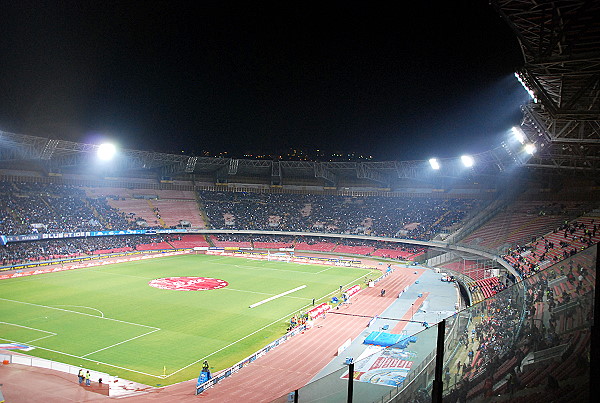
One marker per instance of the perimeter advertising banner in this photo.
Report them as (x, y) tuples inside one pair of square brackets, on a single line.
[(81, 234), (388, 366), (352, 290), (319, 310)]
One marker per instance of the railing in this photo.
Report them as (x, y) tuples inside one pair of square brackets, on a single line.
[(507, 364), (190, 186), (53, 365)]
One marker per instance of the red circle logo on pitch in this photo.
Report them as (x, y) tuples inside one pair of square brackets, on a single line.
[(188, 283)]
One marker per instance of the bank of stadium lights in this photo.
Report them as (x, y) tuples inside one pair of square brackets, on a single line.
[(467, 161), (518, 134), (106, 151), (525, 85), (435, 164), (530, 148)]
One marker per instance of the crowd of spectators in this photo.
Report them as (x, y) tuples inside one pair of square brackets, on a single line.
[(556, 311), (415, 218), (45, 208), (502, 332), (34, 207), (486, 287), (291, 241), (513, 325), (564, 241), (242, 238), (15, 253)]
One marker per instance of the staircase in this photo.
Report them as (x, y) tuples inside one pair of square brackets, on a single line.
[(160, 220), (202, 212)]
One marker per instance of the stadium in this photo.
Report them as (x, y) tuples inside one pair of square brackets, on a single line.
[(177, 277)]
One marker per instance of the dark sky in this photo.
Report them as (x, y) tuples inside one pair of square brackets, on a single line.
[(404, 81)]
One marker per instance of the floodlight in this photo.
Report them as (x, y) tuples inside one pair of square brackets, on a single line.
[(106, 151), (467, 161), (530, 148), (434, 163), (518, 133), (526, 86)]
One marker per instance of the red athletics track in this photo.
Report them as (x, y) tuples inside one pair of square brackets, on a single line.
[(283, 369), (409, 314)]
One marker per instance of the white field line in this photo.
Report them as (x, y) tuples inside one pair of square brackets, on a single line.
[(353, 281), (277, 296), (248, 291), (121, 342), (256, 331), (39, 338), (87, 359), (154, 329), (50, 334), (258, 292), (175, 372), (79, 313), (88, 307), (327, 268), (27, 327), (286, 316)]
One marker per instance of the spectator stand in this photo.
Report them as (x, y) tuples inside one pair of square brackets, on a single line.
[(564, 241), (19, 255), (517, 222)]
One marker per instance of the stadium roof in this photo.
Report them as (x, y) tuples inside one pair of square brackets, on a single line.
[(53, 155), (560, 41)]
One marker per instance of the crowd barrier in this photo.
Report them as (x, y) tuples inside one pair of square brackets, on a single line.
[(53, 365)]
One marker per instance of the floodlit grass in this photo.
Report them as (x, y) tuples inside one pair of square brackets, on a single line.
[(109, 319)]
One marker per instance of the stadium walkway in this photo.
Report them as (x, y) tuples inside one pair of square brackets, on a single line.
[(288, 367)]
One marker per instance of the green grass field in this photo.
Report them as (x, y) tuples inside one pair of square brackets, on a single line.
[(109, 319)]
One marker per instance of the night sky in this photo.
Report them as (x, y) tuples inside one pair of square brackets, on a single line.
[(398, 82)]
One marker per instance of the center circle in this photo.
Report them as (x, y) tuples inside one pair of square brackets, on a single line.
[(188, 283)]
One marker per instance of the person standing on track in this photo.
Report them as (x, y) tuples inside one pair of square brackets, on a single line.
[(88, 378), (80, 376)]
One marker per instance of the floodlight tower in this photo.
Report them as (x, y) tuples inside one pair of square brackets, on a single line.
[(467, 161), (106, 151)]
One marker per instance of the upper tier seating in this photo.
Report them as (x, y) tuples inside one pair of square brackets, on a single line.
[(417, 218), (519, 221), (566, 240)]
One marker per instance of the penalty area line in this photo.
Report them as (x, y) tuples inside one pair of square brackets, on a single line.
[(277, 296), (121, 342)]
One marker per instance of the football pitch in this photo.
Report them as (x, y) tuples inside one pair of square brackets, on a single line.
[(109, 319)]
